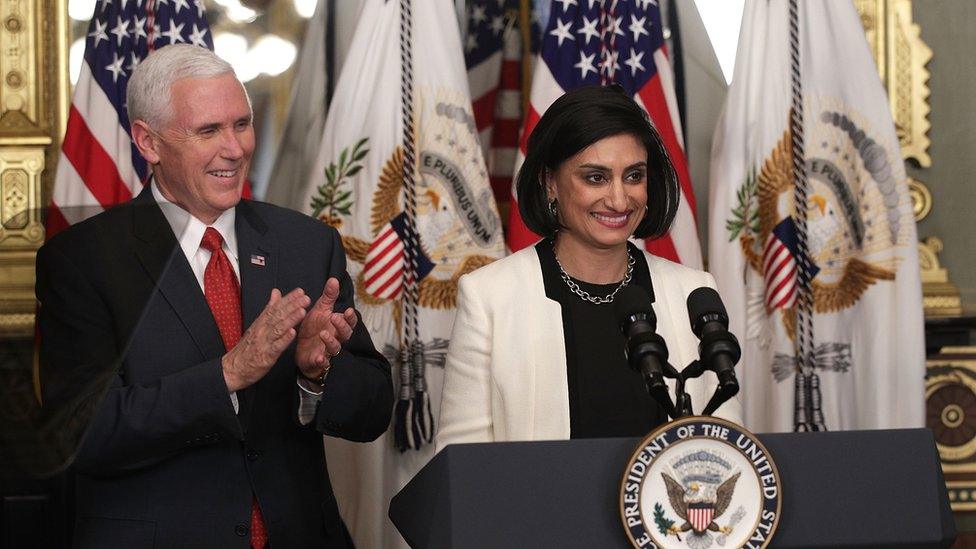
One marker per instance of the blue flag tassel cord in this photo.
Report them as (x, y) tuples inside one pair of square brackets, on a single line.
[(413, 420), (807, 413)]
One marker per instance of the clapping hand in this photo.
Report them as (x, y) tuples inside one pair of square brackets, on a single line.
[(323, 331), (265, 340)]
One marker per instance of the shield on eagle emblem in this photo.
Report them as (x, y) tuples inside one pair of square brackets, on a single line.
[(700, 515)]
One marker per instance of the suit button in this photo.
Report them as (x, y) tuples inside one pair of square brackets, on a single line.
[(241, 529), (252, 455)]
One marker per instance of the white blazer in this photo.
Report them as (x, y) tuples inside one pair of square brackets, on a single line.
[(506, 374)]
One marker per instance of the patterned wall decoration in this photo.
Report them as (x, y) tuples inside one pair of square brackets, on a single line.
[(950, 399), (33, 107)]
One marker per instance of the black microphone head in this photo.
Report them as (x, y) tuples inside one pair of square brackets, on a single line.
[(630, 302), (705, 305)]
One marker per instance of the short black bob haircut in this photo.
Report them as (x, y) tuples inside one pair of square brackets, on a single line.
[(575, 121)]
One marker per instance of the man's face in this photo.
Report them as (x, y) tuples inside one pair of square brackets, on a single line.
[(203, 153)]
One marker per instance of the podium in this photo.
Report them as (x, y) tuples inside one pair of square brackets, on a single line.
[(853, 489)]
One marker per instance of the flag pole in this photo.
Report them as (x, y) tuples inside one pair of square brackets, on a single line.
[(525, 28)]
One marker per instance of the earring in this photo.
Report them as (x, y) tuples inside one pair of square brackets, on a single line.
[(643, 219), (552, 208)]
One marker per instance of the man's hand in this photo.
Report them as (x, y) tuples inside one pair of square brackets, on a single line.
[(323, 332), (262, 343)]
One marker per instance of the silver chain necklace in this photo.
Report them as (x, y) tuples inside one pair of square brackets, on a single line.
[(595, 299)]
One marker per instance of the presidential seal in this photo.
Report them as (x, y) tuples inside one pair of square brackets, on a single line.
[(700, 482)]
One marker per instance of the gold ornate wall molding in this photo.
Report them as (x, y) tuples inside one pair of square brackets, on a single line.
[(901, 56), (939, 296), (921, 198), (33, 110)]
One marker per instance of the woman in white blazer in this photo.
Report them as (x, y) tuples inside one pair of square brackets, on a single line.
[(536, 353)]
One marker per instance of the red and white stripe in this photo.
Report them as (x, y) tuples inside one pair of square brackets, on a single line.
[(95, 167), (497, 104), (779, 271), (508, 118), (383, 269), (700, 517), (545, 90)]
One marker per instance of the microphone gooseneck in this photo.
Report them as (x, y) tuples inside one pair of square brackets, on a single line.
[(646, 351), (718, 350)]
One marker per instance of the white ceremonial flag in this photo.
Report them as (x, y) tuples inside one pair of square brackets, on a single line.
[(838, 344), (396, 107)]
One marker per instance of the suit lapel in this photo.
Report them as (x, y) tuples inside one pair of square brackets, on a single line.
[(161, 256), (549, 405), (258, 262), (256, 255)]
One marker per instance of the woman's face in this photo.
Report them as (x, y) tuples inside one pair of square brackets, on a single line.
[(601, 192)]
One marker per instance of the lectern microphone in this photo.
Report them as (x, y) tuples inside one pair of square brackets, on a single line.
[(646, 351), (718, 350)]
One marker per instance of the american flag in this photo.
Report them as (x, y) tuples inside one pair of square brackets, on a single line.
[(779, 265), (383, 270), (492, 54), (99, 165), (590, 42)]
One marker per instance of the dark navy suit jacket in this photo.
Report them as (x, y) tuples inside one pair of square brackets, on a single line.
[(165, 461)]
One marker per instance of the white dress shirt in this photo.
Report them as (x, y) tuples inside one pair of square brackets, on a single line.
[(189, 233)]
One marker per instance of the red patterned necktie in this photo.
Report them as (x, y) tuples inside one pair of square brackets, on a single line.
[(223, 294)]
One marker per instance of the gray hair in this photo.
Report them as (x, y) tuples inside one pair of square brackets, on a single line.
[(148, 94)]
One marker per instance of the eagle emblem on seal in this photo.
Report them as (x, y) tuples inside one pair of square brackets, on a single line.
[(696, 508)]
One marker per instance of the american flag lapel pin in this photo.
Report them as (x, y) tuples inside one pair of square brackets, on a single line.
[(257, 260)]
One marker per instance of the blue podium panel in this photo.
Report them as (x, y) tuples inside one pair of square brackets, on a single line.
[(843, 489)]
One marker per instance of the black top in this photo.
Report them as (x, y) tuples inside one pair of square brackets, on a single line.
[(606, 397)]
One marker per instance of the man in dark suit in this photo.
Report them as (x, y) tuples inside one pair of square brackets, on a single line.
[(219, 386)]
